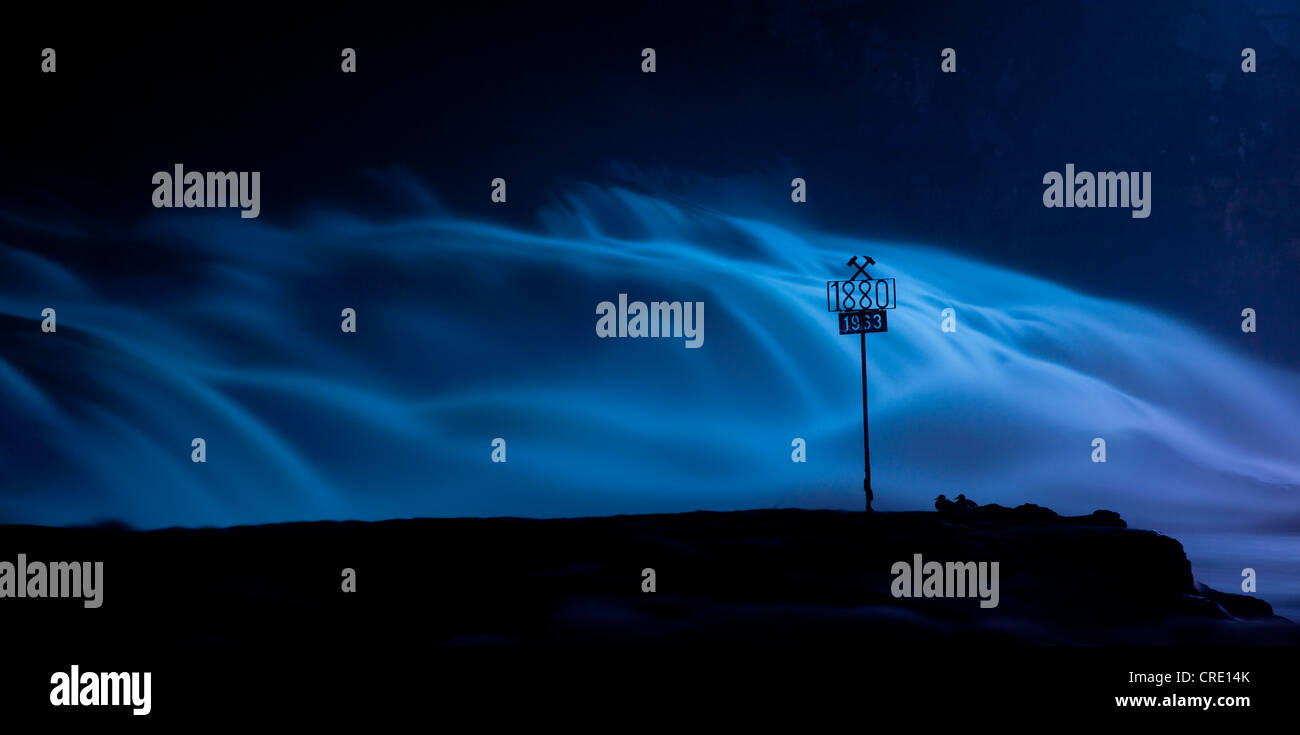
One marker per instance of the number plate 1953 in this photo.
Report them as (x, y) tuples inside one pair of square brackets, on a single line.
[(863, 322)]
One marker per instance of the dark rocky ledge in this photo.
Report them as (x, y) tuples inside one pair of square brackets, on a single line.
[(784, 577)]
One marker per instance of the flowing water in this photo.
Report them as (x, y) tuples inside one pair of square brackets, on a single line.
[(469, 331)]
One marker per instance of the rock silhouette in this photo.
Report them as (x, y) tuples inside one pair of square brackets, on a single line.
[(775, 576)]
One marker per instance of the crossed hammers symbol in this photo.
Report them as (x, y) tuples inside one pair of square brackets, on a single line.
[(862, 267)]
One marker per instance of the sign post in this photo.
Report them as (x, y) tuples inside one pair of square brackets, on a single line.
[(862, 306)]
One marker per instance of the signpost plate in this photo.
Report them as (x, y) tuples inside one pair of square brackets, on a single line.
[(862, 295), (865, 321)]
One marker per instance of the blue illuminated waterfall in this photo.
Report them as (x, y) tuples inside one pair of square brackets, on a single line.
[(469, 331)]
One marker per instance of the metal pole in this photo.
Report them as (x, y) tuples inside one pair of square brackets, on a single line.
[(866, 442)]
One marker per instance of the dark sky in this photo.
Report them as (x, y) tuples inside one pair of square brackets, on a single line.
[(846, 95)]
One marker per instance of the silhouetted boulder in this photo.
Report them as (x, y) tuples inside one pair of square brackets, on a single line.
[(1238, 606), (1105, 518)]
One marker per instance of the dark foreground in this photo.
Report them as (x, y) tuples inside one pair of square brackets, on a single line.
[(771, 587)]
